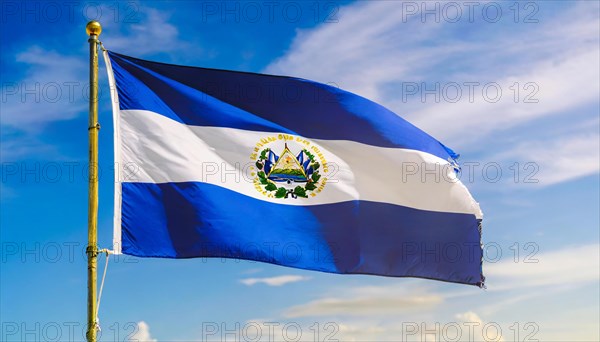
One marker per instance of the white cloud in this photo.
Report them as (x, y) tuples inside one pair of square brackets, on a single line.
[(50, 71), (252, 271), (469, 316), (12, 147), (53, 90), (154, 34), (142, 333), (55, 86), (363, 306), (362, 59), (568, 267), (274, 281), (559, 160), (559, 85), (370, 300), (470, 320), (467, 326)]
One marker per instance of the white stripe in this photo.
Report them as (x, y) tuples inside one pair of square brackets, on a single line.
[(157, 149), (117, 150)]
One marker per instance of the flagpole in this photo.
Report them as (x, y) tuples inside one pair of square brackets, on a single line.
[(93, 29)]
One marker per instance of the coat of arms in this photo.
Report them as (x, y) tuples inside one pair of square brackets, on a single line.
[(288, 172)]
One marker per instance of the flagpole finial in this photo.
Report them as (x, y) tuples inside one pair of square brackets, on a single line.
[(93, 28)]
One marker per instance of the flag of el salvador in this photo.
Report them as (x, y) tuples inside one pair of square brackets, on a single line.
[(283, 170)]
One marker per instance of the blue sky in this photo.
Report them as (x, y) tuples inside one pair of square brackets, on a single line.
[(542, 134)]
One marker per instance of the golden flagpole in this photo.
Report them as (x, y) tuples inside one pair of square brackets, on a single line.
[(93, 29)]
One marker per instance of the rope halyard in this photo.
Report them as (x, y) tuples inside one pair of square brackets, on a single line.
[(97, 320)]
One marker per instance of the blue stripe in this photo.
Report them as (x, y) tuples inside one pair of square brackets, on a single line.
[(184, 220), (258, 102)]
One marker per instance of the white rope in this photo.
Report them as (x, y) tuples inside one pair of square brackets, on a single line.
[(101, 288)]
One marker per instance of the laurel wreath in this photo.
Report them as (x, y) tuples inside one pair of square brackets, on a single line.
[(281, 192)]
